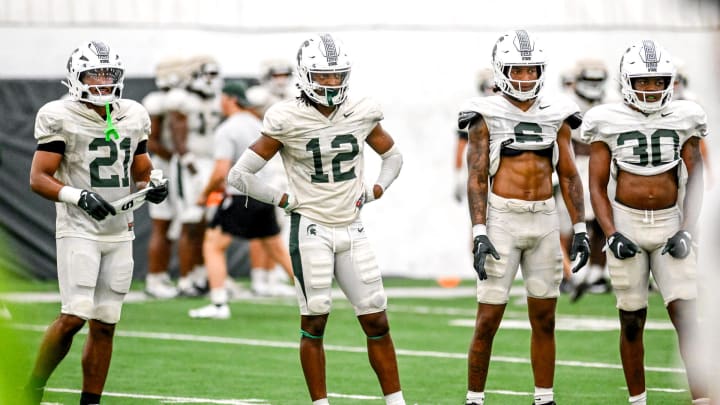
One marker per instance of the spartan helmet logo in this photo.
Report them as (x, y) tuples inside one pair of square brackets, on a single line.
[(311, 230)]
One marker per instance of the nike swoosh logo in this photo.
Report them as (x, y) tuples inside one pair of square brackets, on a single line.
[(118, 119), (361, 229), (666, 114), (542, 107), (347, 114)]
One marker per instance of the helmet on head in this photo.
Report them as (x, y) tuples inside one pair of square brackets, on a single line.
[(171, 72), (323, 54), (276, 74), (646, 59), (94, 58), (205, 75), (590, 78), (517, 48), (485, 82)]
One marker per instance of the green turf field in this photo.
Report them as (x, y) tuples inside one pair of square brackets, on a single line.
[(162, 356)]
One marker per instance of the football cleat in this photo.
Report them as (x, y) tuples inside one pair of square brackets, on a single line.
[(211, 311)]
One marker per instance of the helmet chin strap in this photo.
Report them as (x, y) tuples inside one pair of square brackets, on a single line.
[(110, 130), (329, 95)]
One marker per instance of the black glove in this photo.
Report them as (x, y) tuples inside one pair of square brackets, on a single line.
[(581, 246), (481, 247), (678, 245), (95, 205), (622, 247), (158, 193)]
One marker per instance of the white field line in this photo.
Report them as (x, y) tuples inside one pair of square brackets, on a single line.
[(351, 396), (346, 349), (171, 400), (670, 390)]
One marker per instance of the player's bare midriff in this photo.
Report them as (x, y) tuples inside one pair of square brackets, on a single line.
[(526, 176), (647, 192)]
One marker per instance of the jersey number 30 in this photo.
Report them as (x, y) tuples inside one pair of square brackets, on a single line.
[(320, 176)]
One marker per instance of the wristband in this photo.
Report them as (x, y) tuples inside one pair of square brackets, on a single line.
[(479, 229), (580, 227), (70, 195)]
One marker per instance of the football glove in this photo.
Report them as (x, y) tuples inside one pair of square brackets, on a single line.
[(481, 248), (678, 245), (95, 205), (622, 247), (157, 193), (580, 246)]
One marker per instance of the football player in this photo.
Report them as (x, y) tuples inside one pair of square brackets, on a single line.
[(91, 148), (646, 154), (321, 138), (170, 73), (238, 215), (588, 90), (516, 140), (194, 113)]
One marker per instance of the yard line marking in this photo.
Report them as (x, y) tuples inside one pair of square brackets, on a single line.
[(670, 390), (506, 392), (347, 349), (569, 324), (352, 396), (171, 400)]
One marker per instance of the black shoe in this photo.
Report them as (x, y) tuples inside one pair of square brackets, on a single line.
[(578, 292)]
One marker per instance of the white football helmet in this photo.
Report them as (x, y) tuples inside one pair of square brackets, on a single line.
[(94, 58), (517, 48), (205, 75), (276, 74), (323, 54), (646, 59), (590, 78), (171, 72)]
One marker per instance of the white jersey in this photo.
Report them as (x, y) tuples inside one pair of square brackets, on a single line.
[(513, 128), (203, 116), (323, 156), (642, 144), (93, 163), (156, 105)]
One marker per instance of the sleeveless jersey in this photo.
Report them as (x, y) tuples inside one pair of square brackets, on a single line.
[(642, 144), (323, 156), (93, 163), (510, 127)]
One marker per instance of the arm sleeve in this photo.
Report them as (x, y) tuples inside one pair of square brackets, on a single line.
[(392, 161), (243, 177)]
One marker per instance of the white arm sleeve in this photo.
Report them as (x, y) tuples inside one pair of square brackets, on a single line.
[(392, 161), (242, 177)]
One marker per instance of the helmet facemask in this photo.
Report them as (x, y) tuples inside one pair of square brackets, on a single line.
[(646, 60), (323, 70), (95, 74), (590, 82), (205, 76), (518, 48)]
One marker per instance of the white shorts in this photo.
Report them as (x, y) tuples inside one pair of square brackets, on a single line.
[(524, 233), (93, 277), (165, 211), (185, 188), (319, 252), (650, 230)]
